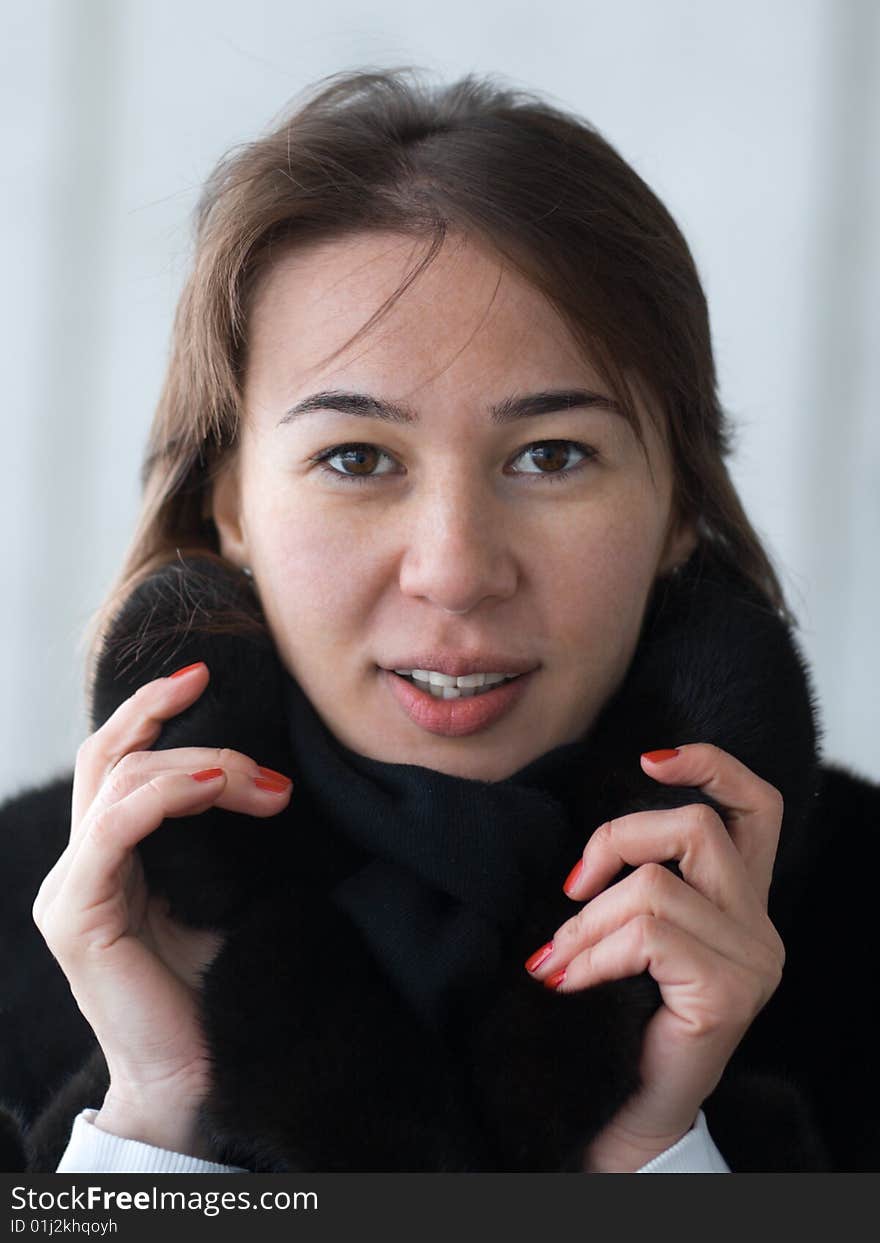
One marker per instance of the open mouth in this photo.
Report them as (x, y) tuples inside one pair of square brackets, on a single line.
[(456, 710), (471, 685)]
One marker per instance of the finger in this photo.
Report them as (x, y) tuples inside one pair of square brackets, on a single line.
[(134, 726), (708, 1001), (654, 890), (257, 796), (249, 788), (752, 807), (92, 881), (706, 990), (693, 835)]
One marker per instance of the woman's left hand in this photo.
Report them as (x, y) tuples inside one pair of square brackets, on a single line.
[(706, 939)]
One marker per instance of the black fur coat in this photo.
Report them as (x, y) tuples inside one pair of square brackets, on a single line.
[(319, 1065)]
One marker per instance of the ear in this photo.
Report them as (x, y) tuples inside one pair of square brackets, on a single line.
[(225, 508), (681, 540)]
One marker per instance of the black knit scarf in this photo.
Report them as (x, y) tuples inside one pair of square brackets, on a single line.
[(370, 1009), (449, 865)]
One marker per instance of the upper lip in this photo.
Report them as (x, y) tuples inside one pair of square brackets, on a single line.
[(458, 666)]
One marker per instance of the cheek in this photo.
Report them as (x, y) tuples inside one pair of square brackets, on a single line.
[(320, 571), (596, 584)]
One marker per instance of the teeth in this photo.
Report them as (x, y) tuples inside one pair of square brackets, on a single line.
[(446, 679), (444, 686)]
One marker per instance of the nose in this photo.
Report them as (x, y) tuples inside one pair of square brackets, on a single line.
[(458, 548)]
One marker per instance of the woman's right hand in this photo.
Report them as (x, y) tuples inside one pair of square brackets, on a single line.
[(134, 972)]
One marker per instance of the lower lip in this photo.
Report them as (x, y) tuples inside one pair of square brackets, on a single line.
[(453, 718)]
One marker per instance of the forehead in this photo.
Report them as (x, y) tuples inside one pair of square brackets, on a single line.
[(466, 302)]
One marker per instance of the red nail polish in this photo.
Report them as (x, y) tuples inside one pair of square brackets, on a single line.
[(553, 981), (573, 877), (539, 956), (272, 785), (657, 757), (178, 673), (271, 775), (207, 774)]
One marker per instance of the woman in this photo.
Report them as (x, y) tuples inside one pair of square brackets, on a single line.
[(437, 522)]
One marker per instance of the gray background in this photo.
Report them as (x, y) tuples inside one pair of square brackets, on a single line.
[(756, 121)]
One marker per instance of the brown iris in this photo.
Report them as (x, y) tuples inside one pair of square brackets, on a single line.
[(553, 453), (359, 455)]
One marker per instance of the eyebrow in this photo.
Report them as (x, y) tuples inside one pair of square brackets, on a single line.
[(362, 405)]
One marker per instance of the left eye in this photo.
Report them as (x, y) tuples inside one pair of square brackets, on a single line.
[(544, 453), (552, 452)]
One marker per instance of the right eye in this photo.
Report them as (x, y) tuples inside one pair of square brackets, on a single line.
[(360, 455)]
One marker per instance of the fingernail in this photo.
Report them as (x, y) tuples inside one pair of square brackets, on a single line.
[(573, 877), (207, 774), (553, 981), (657, 757), (186, 669), (271, 775), (532, 963), (272, 785)]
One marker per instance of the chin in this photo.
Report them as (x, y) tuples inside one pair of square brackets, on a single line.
[(468, 758)]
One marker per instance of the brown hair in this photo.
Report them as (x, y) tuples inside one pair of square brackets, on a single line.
[(379, 150)]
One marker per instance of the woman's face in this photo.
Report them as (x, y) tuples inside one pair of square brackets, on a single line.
[(435, 534)]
